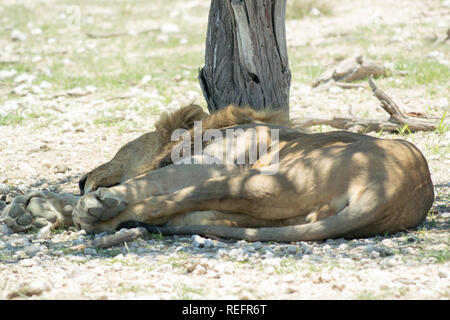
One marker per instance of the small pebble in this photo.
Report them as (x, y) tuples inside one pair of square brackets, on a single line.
[(90, 251), (26, 263), (198, 242), (37, 287), (32, 250), (17, 35), (44, 233), (257, 245), (4, 229)]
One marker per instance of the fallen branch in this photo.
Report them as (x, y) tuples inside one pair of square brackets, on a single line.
[(119, 237), (413, 123), (120, 98), (397, 122), (360, 125), (108, 241), (345, 85), (72, 94), (119, 34)]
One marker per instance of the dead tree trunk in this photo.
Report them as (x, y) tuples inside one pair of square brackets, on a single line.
[(246, 60)]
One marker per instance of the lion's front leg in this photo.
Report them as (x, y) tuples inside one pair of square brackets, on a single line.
[(95, 209), (247, 193), (39, 209)]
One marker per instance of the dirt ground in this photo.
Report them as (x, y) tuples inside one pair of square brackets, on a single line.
[(70, 98)]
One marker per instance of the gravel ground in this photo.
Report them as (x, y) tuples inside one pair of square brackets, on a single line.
[(404, 266), (60, 118)]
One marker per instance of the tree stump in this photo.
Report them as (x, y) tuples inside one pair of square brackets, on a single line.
[(246, 60)]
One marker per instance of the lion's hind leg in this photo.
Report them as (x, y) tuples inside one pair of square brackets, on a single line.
[(362, 211)]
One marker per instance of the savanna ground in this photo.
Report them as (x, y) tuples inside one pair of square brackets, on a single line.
[(69, 101)]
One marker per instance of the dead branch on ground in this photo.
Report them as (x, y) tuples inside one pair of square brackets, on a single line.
[(122, 33), (397, 121), (108, 241)]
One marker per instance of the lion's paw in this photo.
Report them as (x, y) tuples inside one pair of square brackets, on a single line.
[(97, 206), (15, 216), (36, 209)]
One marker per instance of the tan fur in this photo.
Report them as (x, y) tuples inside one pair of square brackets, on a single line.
[(181, 119), (225, 118), (335, 184)]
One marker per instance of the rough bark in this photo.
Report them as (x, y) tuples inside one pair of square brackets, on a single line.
[(246, 60)]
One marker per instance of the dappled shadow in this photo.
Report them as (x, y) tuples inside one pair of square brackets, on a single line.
[(319, 176), (314, 170)]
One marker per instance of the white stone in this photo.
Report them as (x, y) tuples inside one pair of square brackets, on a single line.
[(197, 241), (4, 188), (257, 245), (35, 59), (315, 258), (146, 79), (220, 244), (368, 248), (24, 78), (443, 103), (242, 243), (435, 55), (26, 168), (36, 31), (170, 28), (7, 74), (292, 249), (199, 270), (37, 287), (17, 35), (90, 251), (45, 85), (26, 263), (33, 249), (315, 12), (44, 233), (4, 229), (90, 89), (335, 89), (77, 91), (209, 243), (117, 266)]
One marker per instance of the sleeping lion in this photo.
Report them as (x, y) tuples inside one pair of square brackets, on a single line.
[(243, 174)]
